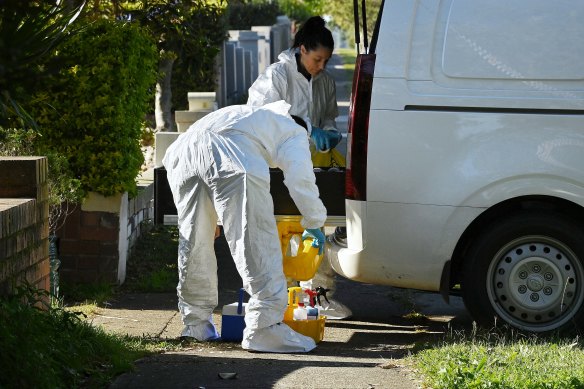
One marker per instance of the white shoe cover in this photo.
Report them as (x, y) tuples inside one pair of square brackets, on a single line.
[(278, 338), (201, 332), (335, 310)]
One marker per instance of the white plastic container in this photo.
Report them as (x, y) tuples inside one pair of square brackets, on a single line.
[(300, 312)]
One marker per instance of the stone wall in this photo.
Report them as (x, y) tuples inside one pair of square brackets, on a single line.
[(24, 223)]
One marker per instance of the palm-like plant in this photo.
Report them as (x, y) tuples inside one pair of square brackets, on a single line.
[(29, 30)]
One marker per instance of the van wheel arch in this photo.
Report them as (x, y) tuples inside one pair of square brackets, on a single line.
[(500, 211)]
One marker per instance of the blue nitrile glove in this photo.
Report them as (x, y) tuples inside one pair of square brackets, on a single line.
[(335, 138), (320, 139), (317, 236)]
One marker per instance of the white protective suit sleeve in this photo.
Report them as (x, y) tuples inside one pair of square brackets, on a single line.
[(287, 148), (293, 157), (315, 101)]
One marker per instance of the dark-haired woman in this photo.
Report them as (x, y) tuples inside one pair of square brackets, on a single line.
[(300, 78)]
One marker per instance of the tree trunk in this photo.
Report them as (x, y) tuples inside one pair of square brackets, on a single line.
[(163, 98)]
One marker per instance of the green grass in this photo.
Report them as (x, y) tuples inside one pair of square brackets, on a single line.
[(98, 293), (494, 360), (56, 348), (152, 265)]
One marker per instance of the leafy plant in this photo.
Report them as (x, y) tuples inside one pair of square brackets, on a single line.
[(243, 14), (63, 350), (28, 32), (92, 110)]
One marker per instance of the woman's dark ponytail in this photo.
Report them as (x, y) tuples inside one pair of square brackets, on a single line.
[(314, 34)]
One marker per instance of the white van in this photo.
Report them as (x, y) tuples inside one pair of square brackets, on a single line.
[(465, 160)]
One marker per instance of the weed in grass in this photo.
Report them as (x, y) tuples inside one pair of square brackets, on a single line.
[(163, 280), (502, 358), (415, 317)]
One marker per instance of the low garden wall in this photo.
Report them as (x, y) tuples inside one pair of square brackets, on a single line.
[(93, 243), (97, 236), (24, 223)]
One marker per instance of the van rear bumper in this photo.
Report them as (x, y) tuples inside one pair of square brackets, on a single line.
[(343, 260)]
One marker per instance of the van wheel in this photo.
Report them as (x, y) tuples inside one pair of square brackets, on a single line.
[(528, 271)]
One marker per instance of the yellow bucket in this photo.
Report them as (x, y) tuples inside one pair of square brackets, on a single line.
[(303, 266), (312, 328)]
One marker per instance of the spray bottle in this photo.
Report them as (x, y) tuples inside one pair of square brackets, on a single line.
[(311, 309)]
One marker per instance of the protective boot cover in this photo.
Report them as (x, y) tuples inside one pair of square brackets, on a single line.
[(202, 332), (278, 338), (335, 310)]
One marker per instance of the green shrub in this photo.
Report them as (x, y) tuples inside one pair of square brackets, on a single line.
[(243, 14), (93, 109), (194, 70)]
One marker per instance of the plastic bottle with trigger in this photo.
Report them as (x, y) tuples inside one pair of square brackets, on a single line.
[(311, 309)]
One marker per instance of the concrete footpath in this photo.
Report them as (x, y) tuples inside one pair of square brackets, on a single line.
[(368, 350)]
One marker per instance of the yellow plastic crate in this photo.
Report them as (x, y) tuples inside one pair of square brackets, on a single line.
[(303, 266), (312, 328)]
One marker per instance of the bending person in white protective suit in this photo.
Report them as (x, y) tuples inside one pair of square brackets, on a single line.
[(219, 171), (300, 78)]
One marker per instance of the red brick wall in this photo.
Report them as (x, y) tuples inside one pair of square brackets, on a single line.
[(88, 247), (24, 223)]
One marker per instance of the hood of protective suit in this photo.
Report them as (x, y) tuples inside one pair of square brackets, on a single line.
[(315, 101)]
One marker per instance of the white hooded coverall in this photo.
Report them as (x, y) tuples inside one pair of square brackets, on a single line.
[(219, 170), (315, 101)]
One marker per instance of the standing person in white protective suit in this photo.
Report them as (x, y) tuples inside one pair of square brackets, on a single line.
[(300, 78), (219, 171)]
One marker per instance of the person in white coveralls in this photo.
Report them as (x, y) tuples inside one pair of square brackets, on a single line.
[(218, 171), (300, 78)]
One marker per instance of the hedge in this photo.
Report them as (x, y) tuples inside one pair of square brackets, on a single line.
[(92, 111)]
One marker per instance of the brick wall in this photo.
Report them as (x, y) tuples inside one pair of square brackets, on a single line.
[(95, 239), (24, 226), (88, 247)]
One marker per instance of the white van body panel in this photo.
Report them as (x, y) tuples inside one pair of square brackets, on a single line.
[(470, 107), (473, 158), (398, 234), (477, 53)]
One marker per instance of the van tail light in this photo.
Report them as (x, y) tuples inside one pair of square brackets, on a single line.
[(358, 128)]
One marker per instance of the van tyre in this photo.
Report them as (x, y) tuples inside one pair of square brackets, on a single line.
[(527, 271)]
